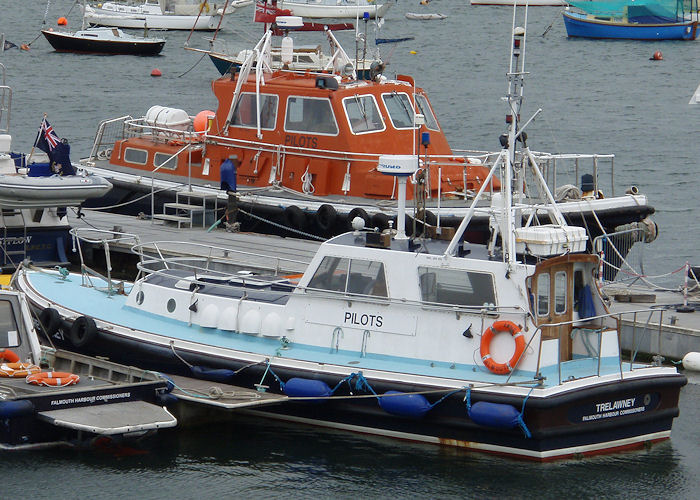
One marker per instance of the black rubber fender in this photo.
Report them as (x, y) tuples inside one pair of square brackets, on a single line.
[(49, 321), (294, 217), (326, 216), (82, 332), (359, 212)]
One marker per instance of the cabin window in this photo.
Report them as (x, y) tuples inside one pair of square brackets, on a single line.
[(424, 108), (9, 336), (463, 288), (363, 114), (137, 156), (400, 109), (306, 114), (165, 160), (363, 278), (245, 114), (543, 295), (560, 294)]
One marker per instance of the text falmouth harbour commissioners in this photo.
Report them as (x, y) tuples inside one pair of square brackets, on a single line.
[(614, 409)]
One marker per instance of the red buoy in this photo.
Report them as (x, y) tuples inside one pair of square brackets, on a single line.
[(62, 21), (657, 56), (156, 72)]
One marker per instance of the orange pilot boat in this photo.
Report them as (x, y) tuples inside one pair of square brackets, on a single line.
[(300, 151)]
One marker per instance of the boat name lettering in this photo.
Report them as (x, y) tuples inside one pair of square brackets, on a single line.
[(90, 399), (614, 405), (303, 141), (363, 319), (16, 240), (611, 409)]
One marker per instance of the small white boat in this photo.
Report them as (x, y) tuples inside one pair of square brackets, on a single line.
[(348, 9), (424, 16), (148, 15), (24, 191)]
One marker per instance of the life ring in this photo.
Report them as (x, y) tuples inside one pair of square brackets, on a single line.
[(56, 379), (9, 356), (83, 331), (484, 349), (12, 370)]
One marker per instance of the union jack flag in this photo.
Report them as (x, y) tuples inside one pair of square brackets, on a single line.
[(49, 136)]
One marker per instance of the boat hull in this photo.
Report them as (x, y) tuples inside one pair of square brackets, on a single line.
[(100, 17), (67, 42), (321, 11), (578, 25), (55, 190)]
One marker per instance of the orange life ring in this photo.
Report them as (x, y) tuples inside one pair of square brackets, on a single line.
[(61, 379), (9, 356), (18, 369), (489, 334)]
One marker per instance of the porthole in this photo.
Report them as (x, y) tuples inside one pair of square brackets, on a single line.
[(139, 298), (171, 305)]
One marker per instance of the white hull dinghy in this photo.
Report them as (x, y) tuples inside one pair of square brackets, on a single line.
[(506, 348)]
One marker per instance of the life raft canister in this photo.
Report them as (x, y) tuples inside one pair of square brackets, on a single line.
[(11, 370), (57, 379), (485, 346)]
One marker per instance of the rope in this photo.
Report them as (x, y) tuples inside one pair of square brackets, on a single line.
[(281, 226)]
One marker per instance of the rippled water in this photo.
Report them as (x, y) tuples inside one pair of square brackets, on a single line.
[(597, 96)]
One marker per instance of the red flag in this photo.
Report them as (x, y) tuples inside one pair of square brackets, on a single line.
[(267, 11)]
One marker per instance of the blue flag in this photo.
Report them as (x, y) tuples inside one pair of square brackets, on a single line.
[(58, 150)]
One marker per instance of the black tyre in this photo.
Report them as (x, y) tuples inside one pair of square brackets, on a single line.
[(82, 332)]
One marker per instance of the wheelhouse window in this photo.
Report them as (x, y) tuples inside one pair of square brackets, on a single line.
[(400, 110), (9, 336), (137, 156), (463, 288), (363, 114), (560, 294), (352, 276), (307, 114), (245, 114), (165, 160), (543, 295), (424, 108)]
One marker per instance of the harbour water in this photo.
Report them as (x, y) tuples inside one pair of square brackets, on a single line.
[(596, 96)]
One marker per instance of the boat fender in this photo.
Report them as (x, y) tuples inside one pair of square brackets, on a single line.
[(485, 347), (12, 370), (497, 415), (325, 217), (9, 356), (404, 405), (294, 217), (691, 361), (166, 399), (307, 388), (82, 332), (222, 375), (380, 221), (50, 321), (361, 213), (55, 379), (13, 409)]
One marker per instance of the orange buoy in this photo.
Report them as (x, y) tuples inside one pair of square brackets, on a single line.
[(156, 72), (200, 123), (658, 56), (62, 21), (24, 46)]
